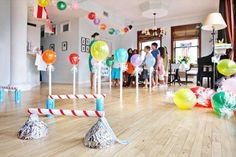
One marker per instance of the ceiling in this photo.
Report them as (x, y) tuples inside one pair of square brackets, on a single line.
[(131, 12)]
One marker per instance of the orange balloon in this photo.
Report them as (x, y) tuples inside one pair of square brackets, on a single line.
[(103, 26), (49, 56)]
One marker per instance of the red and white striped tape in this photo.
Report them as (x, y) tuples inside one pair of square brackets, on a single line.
[(8, 87), (79, 96), (62, 112)]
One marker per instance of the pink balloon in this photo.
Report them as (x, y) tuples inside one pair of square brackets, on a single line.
[(229, 85), (136, 60)]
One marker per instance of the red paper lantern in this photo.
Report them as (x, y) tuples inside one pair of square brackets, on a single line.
[(92, 15), (126, 29), (74, 58)]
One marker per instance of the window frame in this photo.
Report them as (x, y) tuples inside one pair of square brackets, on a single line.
[(185, 27)]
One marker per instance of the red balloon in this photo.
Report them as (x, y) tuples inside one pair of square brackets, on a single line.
[(74, 58), (126, 29), (203, 96), (91, 15)]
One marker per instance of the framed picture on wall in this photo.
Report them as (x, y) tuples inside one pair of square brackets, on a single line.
[(64, 45), (87, 49), (83, 48), (52, 47), (87, 42), (83, 41)]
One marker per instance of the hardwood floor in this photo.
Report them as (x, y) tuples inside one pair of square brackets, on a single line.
[(152, 125)]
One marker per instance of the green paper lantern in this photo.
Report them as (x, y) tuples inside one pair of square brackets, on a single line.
[(61, 5), (111, 31)]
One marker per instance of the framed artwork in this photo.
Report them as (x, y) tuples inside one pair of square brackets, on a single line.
[(85, 44), (87, 49), (83, 48), (52, 47), (64, 45), (83, 41)]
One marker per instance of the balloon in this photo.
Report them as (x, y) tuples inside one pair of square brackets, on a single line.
[(75, 5), (91, 15), (103, 26), (226, 67), (224, 104), (126, 29), (74, 58), (130, 27), (185, 99), (111, 31), (121, 55), (49, 56), (203, 96), (117, 32), (61, 5), (136, 60), (43, 3), (229, 85), (100, 50), (109, 61), (150, 60), (96, 21)]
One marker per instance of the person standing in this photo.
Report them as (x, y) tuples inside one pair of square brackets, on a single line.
[(155, 52), (166, 65), (95, 37)]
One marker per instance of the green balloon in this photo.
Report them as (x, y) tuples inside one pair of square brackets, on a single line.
[(111, 31), (109, 61), (220, 101), (61, 5)]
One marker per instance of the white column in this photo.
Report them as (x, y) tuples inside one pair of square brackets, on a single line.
[(18, 44), (5, 48)]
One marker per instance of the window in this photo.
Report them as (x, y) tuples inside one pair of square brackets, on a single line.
[(148, 43), (65, 27), (186, 48), (186, 43), (144, 40)]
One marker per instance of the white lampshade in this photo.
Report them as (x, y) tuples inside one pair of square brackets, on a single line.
[(214, 21)]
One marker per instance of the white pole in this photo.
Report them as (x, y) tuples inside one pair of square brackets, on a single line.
[(99, 77), (121, 80), (50, 79), (95, 80), (110, 78), (136, 73), (74, 78), (150, 79)]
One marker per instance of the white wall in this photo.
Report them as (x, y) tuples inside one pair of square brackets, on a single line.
[(5, 47), (79, 28), (130, 39), (86, 29), (62, 73)]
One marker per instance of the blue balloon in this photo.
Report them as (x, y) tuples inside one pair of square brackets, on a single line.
[(121, 55), (150, 60), (117, 32)]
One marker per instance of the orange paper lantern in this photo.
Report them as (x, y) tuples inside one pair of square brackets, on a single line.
[(49, 56)]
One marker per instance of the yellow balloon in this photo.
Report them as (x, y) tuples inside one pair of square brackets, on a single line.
[(43, 3), (185, 99), (100, 50), (226, 67)]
